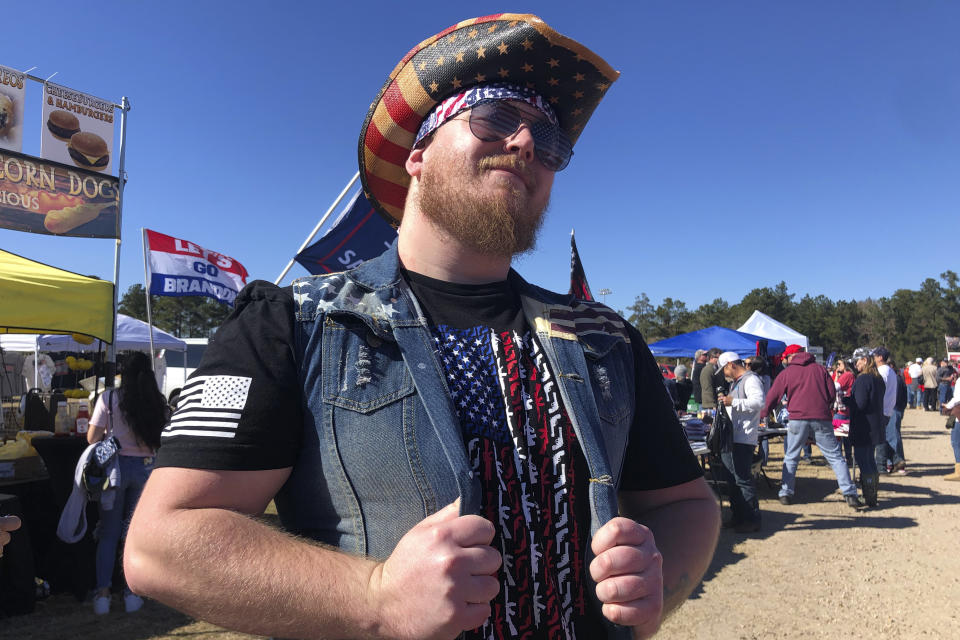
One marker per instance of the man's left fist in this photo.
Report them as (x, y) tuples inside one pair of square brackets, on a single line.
[(628, 570)]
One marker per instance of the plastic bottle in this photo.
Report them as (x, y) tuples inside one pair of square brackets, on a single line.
[(62, 423), (83, 419)]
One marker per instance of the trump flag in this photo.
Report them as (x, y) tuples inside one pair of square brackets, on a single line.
[(357, 235), (181, 268)]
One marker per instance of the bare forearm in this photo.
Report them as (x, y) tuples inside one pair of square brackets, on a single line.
[(686, 534), (231, 570)]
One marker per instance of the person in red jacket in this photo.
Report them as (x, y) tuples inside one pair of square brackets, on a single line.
[(810, 396)]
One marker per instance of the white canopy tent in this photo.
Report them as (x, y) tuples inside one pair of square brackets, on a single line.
[(18, 342), (761, 324), (132, 335)]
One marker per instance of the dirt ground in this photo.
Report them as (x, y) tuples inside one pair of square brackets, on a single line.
[(817, 569)]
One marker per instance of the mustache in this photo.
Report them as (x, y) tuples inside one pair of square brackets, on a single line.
[(512, 162)]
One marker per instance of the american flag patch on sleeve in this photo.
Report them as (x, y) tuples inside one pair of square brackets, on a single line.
[(209, 406)]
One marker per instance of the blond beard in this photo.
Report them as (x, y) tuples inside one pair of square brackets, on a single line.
[(499, 224)]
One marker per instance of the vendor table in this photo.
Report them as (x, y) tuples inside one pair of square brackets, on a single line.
[(771, 432), (71, 566), (60, 455)]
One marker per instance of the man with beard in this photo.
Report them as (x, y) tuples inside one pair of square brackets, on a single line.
[(472, 453), (699, 362)]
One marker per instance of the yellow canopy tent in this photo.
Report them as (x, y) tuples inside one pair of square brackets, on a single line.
[(38, 298)]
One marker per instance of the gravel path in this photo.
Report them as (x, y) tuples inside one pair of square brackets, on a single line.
[(819, 569)]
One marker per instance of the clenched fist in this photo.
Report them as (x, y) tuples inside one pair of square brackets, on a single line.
[(7, 523), (629, 575), (440, 578)]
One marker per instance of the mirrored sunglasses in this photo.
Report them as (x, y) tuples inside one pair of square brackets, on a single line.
[(498, 119)]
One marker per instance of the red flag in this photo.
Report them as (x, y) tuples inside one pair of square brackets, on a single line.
[(578, 279)]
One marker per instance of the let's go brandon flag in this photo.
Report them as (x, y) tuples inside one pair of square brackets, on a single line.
[(182, 268)]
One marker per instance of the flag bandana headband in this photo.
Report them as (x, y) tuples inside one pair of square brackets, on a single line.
[(456, 104)]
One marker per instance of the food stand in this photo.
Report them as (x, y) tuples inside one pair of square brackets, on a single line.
[(35, 297)]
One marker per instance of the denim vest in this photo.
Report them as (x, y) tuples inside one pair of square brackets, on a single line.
[(382, 444)]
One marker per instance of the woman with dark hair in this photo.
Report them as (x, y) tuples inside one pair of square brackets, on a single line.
[(843, 378), (135, 415), (866, 421)]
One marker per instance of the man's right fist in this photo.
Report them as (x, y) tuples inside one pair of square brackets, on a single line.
[(440, 578), (12, 523)]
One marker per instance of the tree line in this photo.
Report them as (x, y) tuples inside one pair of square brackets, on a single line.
[(911, 323), (183, 316)]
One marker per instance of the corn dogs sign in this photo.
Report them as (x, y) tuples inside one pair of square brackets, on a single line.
[(46, 197)]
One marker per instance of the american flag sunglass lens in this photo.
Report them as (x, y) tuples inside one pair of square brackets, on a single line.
[(491, 121)]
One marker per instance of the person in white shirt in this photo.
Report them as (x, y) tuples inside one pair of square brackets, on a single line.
[(744, 405), (916, 376), (881, 356)]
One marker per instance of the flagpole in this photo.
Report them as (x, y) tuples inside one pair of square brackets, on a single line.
[(146, 287), (335, 204), (111, 369)]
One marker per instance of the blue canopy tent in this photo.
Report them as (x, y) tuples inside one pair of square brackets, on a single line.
[(685, 345)]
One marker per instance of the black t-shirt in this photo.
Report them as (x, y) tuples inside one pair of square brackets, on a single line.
[(242, 410)]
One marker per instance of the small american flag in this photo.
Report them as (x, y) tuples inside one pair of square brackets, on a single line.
[(209, 406)]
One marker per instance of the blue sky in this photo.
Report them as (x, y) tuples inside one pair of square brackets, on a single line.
[(816, 143)]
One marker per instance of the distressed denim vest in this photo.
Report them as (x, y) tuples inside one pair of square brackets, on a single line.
[(382, 446)]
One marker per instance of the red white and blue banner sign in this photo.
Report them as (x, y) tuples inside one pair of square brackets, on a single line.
[(181, 268)]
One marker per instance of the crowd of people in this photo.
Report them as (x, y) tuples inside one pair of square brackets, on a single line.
[(853, 411)]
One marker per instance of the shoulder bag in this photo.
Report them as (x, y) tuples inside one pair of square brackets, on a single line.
[(720, 437), (97, 469)]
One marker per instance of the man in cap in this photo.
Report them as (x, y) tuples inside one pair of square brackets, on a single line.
[(708, 379), (473, 453), (699, 361), (806, 453), (810, 396), (744, 404)]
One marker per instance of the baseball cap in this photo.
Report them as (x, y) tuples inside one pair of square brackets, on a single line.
[(792, 349), (883, 352), (920, 360), (861, 352), (726, 358)]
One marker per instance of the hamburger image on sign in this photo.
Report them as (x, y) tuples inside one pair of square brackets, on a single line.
[(63, 124), (77, 129), (89, 151)]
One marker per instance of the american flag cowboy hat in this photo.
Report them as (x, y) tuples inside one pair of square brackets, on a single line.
[(520, 49)]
